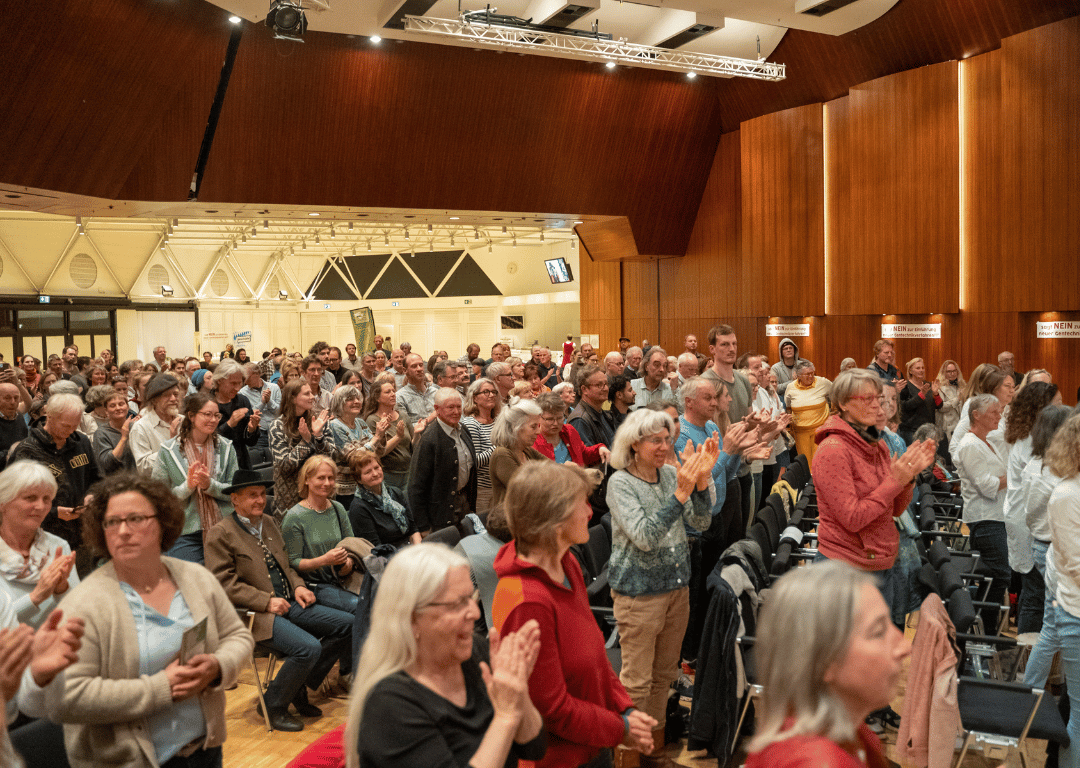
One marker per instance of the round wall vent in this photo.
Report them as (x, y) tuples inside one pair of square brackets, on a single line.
[(157, 277), (272, 287), (83, 270), (220, 282)]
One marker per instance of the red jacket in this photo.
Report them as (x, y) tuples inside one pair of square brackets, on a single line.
[(820, 752), (857, 498), (581, 454), (572, 684)]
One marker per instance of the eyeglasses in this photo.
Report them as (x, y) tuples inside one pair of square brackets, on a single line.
[(486, 392), (134, 522), (458, 606), (213, 416), (870, 399)]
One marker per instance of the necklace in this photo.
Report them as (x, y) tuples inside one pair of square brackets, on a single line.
[(152, 587)]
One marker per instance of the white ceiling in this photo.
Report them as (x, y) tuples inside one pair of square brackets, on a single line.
[(741, 22)]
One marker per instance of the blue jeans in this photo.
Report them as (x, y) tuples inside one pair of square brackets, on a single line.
[(309, 640), (343, 600), (1068, 627), (188, 547), (989, 539), (1042, 655), (1032, 592)]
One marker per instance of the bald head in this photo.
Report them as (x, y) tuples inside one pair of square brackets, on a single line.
[(9, 400)]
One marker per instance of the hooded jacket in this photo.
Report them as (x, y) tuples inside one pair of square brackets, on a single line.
[(857, 498), (572, 684), (780, 370)]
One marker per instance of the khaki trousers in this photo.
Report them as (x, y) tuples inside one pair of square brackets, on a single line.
[(651, 629)]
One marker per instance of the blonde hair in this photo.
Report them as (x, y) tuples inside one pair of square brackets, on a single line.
[(311, 466), (541, 496), (943, 379), (414, 576), (805, 627), (1063, 455)]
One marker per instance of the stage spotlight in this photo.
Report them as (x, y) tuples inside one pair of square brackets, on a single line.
[(283, 295), (286, 18), (166, 290)]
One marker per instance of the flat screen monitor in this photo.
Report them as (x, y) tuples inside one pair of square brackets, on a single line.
[(559, 271)]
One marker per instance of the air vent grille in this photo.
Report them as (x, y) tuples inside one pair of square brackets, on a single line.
[(824, 9), (83, 270), (219, 283)]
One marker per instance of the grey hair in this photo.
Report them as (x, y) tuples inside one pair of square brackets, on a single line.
[(504, 432), (639, 424), (497, 369), (847, 362), (849, 382), (613, 355), (227, 368), (64, 402), (805, 628), (802, 365), (64, 387), (558, 388), (980, 403), (249, 368), (694, 384), (688, 357), (446, 393), (412, 579), (20, 476), (341, 394), (98, 394), (631, 350), (653, 351), (928, 431)]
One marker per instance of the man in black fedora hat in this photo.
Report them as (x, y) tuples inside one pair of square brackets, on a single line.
[(247, 554)]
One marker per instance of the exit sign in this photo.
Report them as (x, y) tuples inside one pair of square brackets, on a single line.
[(468, 301)]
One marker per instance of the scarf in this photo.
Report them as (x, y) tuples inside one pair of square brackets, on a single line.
[(870, 434), (393, 507), (209, 514), (14, 567)]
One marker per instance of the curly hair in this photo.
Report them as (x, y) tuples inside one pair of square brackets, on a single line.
[(170, 512), (1025, 409), (1063, 455)]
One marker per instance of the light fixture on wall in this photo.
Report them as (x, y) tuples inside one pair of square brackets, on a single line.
[(79, 224), (386, 238), (332, 233), (350, 226), (317, 241), (266, 223), (286, 18), (166, 291), (406, 233), (283, 295), (369, 244), (429, 229)]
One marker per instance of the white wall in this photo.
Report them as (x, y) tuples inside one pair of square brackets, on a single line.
[(138, 332)]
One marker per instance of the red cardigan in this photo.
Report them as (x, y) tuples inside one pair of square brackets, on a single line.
[(581, 454), (819, 752), (857, 498), (572, 684)]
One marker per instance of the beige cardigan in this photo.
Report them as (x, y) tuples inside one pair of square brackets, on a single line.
[(106, 702)]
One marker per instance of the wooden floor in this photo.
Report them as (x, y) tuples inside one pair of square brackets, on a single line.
[(251, 746)]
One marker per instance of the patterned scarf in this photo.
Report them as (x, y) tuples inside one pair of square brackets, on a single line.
[(390, 505), (209, 514), (14, 567)]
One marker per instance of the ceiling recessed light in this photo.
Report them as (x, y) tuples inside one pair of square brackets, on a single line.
[(454, 218), (579, 221), (691, 75), (610, 65), (313, 213), (375, 39), (235, 19)]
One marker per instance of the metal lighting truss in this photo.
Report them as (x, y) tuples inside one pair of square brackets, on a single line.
[(618, 51)]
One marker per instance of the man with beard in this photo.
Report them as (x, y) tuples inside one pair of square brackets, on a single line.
[(160, 420)]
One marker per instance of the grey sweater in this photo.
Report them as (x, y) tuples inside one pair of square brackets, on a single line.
[(649, 551)]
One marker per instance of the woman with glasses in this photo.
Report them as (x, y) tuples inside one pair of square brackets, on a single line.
[(651, 505), (381, 406), (482, 406), (427, 691), (501, 374), (135, 697), (198, 464), (560, 441), (348, 429), (807, 400), (573, 686)]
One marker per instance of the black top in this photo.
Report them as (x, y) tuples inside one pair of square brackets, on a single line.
[(239, 435), (407, 725), (915, 410), (370, 521), (11, 432)]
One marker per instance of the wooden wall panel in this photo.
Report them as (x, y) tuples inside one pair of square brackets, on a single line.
[(640, 307), (600, 299), (894, 196), (811, 347), (783, 212), (1040, 175)]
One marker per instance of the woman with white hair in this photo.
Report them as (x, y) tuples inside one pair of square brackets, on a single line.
[(827, 657), (427, 692), (37, 566), (651, 504), (239, 423), (348, 429), (513, 435), (807, 400)]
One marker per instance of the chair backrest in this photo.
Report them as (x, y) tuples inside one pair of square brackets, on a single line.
[(938, 553), (760, 534), (961, 610), (450, 536), (927, 513)]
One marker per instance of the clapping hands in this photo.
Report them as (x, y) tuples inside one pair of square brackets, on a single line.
[(507, 677)]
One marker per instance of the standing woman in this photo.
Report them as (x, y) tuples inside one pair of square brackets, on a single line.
[(380, 361), (950, 384), (198, 464), (289, 371), (986, 379), (239, 423), (294, 437), (1030, 401), (1063, 459), (982, 467), (860, 488), (111, 440), (807, 400), (482, 406), (919, 400), (36, 567), (560, 441), (312, 530), (129, 700), (584, 706), (380, 407), (651, 504), (348, 429), (513, 435)]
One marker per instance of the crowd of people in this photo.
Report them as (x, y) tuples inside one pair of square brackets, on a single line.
[(144, 504)]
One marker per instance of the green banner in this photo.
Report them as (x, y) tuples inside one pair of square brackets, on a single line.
[(364, 327)]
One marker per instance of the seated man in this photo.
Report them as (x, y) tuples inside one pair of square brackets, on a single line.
[(247, 554)]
